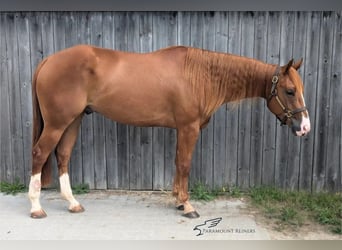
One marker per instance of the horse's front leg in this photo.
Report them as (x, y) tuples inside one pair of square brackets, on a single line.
[(186, 141), (175, 189)]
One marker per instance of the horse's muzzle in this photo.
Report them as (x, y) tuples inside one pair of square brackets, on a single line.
[(302, 127)]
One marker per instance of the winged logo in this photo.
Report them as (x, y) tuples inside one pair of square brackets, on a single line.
[(207, 224)]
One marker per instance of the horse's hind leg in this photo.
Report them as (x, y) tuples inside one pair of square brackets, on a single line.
[(63, 154), (41, 151)]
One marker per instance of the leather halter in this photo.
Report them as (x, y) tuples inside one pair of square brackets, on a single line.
[(288, 114)]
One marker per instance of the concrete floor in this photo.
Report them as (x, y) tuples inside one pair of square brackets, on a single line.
[(115, 215)]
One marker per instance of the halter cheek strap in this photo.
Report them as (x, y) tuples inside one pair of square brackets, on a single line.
[(287, 113)]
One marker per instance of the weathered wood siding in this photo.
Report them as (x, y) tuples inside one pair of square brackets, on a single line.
[(241, 147)]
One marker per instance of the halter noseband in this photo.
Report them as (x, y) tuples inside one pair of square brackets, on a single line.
[(288, 114)]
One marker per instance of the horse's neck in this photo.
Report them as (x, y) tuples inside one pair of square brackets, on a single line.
[(249, 77), (217, 78)]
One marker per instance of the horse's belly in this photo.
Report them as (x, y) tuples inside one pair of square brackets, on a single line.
[(137, 108), (138, 117)]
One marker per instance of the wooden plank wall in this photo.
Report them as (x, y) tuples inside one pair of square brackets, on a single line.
[(243, 146)]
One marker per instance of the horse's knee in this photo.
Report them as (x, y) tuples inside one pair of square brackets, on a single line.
[(183, 168)]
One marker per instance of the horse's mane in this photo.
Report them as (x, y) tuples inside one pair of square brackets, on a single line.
[(209, 75), (217, 78)]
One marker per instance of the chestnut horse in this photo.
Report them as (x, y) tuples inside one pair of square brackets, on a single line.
[(177, 87)]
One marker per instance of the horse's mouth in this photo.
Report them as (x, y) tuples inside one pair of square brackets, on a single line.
[(300, 133), (301, 128)]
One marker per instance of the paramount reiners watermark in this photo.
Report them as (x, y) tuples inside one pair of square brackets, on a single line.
[(230, 230), (209, 227)]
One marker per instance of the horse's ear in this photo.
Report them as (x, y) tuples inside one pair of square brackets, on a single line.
[(297, 65), (288, 66)]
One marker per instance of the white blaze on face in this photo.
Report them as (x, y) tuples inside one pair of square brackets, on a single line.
[(305, 125), (34, 192)]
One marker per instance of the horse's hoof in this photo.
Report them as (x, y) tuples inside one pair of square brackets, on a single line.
[(40, 214), (76, 209), (192, 215), (180, 207)]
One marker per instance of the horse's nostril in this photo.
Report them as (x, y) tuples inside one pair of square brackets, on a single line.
[(306, 128)]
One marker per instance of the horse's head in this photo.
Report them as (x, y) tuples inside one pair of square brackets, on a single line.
[(286, 98)]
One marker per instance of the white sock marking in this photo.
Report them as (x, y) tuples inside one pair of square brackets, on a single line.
[(34, 192), (66, 190)]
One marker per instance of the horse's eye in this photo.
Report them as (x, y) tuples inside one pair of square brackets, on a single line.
[(290, 92)]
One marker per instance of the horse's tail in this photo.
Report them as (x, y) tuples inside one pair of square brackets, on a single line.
[(38, 125)]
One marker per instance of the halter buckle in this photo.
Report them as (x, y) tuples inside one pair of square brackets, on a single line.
[(275, 79), (288, 114)]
